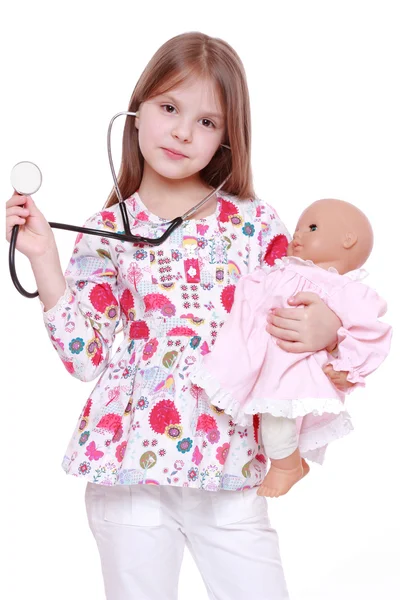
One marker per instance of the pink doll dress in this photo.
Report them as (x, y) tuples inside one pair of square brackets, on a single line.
[(247, 373)]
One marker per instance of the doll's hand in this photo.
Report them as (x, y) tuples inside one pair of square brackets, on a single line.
[(308, 328), (338, 378)]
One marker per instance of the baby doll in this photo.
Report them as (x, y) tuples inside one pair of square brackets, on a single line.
[(247, 373)]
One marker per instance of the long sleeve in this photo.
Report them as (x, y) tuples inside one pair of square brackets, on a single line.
[(364, 340), (82, 324)]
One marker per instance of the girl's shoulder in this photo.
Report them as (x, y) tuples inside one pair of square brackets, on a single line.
[(254, 207), (109, 219)]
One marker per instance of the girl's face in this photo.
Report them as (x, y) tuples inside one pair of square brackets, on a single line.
[(180, 131)]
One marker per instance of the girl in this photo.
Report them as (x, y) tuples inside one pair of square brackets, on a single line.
[(163, 467)]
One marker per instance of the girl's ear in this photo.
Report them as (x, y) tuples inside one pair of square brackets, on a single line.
[(137, 120), (350, 238)]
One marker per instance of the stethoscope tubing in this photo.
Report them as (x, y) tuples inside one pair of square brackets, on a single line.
[(123, 237)]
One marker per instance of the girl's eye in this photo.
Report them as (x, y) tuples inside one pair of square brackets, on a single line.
[(313, 227), (166, 107), (207, 123)]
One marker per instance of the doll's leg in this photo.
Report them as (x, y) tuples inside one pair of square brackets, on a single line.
[(280, 443)]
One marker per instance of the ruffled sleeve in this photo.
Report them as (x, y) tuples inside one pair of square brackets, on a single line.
[(82, 324), (363, 340)]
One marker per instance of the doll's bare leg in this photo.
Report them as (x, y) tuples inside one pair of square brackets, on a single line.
[(287, 467), (282, 475)]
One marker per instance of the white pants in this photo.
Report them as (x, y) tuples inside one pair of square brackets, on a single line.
[(279, 435), (141, 532)]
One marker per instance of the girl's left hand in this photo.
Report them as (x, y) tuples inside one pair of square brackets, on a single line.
[(308, 328)]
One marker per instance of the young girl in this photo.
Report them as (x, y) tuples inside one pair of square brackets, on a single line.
[(144, 423)]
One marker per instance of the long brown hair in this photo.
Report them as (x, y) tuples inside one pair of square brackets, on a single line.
[(197, 54)]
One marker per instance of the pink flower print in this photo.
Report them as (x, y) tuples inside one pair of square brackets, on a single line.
[(261, 458), (276, 249), (108, 219), (150, 349), (197, 456), (222, 453), (181, 331), (206, 423), (104, 301), (163, 414), (127, 304), (213, 436), (142, 216), (201, 229), (155, 301), (139, 331), (227, 209), (111, 422), (178, 465), (120, 451), (168, 310), (92, 452), (69, 366), (227, 297)]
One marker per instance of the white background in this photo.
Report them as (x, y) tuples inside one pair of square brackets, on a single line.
[(324, 86)]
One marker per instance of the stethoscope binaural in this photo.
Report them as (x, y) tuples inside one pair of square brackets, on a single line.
[(26, 179)]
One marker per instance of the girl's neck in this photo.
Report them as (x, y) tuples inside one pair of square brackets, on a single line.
[(170, 198)]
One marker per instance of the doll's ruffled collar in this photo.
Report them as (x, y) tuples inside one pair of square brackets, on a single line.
[(356, 275)]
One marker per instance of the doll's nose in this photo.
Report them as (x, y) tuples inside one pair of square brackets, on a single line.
[(297, 236)]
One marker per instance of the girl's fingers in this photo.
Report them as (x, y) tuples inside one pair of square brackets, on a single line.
[(294, 314), (294, 347), (283, 334), (282, 322), (16, 200), (17, 210), (14, 220)]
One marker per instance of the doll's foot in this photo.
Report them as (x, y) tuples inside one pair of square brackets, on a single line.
[(279, 481)]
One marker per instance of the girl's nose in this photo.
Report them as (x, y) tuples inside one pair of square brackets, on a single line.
[(182, 132)]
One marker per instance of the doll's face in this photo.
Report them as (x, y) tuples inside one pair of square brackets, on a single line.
[(319, 234)]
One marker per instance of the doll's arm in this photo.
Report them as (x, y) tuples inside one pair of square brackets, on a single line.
[(363, 340)]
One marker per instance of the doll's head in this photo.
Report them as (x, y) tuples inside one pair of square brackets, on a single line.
[(333, 233)]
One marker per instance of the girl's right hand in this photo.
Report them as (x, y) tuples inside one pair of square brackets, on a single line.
[(35, 237)]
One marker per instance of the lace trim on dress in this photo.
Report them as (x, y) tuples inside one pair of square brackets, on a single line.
[(292, 408)]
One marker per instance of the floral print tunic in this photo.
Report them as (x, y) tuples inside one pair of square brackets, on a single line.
[(144, 422)]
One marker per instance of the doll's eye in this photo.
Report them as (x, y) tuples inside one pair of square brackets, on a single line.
[(313, 227)]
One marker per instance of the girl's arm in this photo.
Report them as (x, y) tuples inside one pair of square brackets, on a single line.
[(36, 240), (82, 324), (81, 310)]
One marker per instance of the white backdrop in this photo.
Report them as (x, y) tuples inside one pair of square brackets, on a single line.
[(323, 79)]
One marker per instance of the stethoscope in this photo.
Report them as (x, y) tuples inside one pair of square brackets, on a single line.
[(26, 179)]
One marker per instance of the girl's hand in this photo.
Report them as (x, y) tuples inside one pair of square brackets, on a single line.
[(309, 328), (338, 378), (35, 236)]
